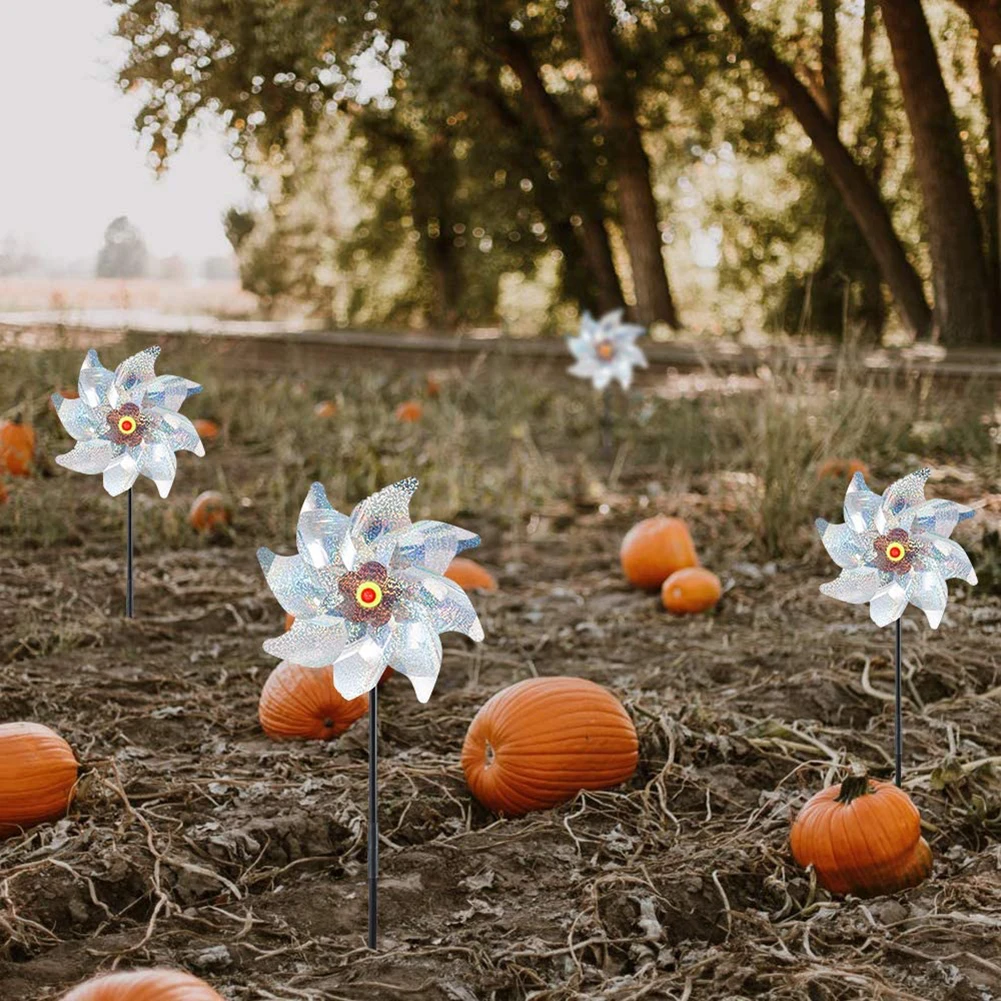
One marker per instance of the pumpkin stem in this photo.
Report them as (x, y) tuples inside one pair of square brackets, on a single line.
[(853, 787)]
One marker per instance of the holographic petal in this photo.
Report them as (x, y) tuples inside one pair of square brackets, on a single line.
[(888, 603), (855, 585), (949, 557), (157, 461), (92, 456), (384, 512), (905, 493), (310, 642), (321, 529), (294, 583), (122, 473), (170, 391), (845, 547), (175, 430), (359, 667), (443, 604), (601, 369), (81, 421), (415, 650), (136, 370), (861, 505), (937, 516), (95, 380), (927, 591), (433, 545)]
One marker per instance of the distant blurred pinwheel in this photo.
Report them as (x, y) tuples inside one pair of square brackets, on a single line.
[(894, 549), (606, 350), (126, 424), (368, 591)]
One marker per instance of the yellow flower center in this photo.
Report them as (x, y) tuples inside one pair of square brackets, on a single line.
[(368, 594), (127, 425), (895, 552)]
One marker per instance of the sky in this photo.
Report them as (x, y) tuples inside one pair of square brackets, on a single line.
[(71, 161)]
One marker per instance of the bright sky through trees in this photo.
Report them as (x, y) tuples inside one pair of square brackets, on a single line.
[(71, 160)]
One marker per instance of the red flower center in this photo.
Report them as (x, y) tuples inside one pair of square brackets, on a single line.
[(369, 594), (895, 552)]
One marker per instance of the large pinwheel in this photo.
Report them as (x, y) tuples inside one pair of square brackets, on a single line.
[(126, 425), (605, 350), (368, 591), (895, 549)]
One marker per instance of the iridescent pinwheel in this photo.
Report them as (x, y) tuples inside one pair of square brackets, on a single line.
[(126, 423), (606, 349), (894, 549), (368, 591)]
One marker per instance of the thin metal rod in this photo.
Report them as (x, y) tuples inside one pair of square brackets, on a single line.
[(606, 425), (898, 720), (373, 817), (129, 602)]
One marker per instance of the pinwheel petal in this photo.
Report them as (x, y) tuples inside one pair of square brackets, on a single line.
[(936, 516), (296, 586), (442, 603), (176, 431), (359, 667), (905, 493), (845, 547), (856, 585), (157, 461), (95, 380), (170, 391), (861, 505), (385, 512), (433, 544), (950, 558), (93, 456), (888, 603), (121, 473), (81, 421), (310, 643), (415, 650), (580, 347), (320, 529), (137, 369), (927, 591)]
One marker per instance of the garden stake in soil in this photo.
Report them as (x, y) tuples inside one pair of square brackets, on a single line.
[(129, 605), (898, 715), (366, 592)]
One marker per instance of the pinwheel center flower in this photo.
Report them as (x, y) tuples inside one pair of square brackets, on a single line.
[(894, 551), (605, 350), (126, 424), (369, 594)]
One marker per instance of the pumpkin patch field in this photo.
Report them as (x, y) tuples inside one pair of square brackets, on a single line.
[(649, 723)]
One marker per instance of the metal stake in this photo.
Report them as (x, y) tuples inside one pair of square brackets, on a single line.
[(373, 817)]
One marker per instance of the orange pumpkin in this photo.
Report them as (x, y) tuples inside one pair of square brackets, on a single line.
[(209, 512), (541, 741), (409, 412), (207, 430), (386, 675), (470, 576), (841, 469), (654, 549), (4, 496), (325, 408), (690, 591), (17, 447), (144, 985), (38, 773), (862, 837), (301, 702), (433, 384)]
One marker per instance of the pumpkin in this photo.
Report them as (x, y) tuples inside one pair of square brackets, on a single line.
[(654, 549), (38, 774), (207, 430), (4, 496), (841, 469), (325, 408), (17, 447), (433, 384), (690, 591), (409, 412), (541, 741), (302, 702), (209, 512), (144, 985), (862, 837), (290, 619), (470, 576)]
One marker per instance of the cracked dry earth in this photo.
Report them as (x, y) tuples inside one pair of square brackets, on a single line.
[(195, 841)]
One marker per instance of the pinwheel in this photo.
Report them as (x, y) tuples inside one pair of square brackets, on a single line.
[(126, 425), (894, 549), (605, 351), (368, 591)]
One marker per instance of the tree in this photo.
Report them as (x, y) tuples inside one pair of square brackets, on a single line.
[(124, 252)]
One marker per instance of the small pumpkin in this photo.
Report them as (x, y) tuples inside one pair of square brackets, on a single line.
[(38, 773), (541, 741), (209, 512), (409, 412), (4, 495), (690, 591), (144, 985), (433, 384), (301, 702), (862, 837), (325, 408), (470, 576), (207, 429), (17, 447), (655, 548), (841, 469), (386, 675)]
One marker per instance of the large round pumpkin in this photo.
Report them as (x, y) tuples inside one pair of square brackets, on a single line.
[(862, 837), (144, 985), (301, 702), (470, 576), (17, 447), (38, 772), (654, 549), (690, 591), (541, 741)]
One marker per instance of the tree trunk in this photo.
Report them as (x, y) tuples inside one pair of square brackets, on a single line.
[(564, 145), (990, 85), (861, 196), (630, 164), (959, 271)]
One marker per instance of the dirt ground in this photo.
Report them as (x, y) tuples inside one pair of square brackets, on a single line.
[(195, 841)]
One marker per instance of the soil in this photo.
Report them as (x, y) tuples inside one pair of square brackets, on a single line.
[(197, 842)]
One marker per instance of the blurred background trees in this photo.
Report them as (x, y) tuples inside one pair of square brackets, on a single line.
[(816, 166), (124, 252)]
